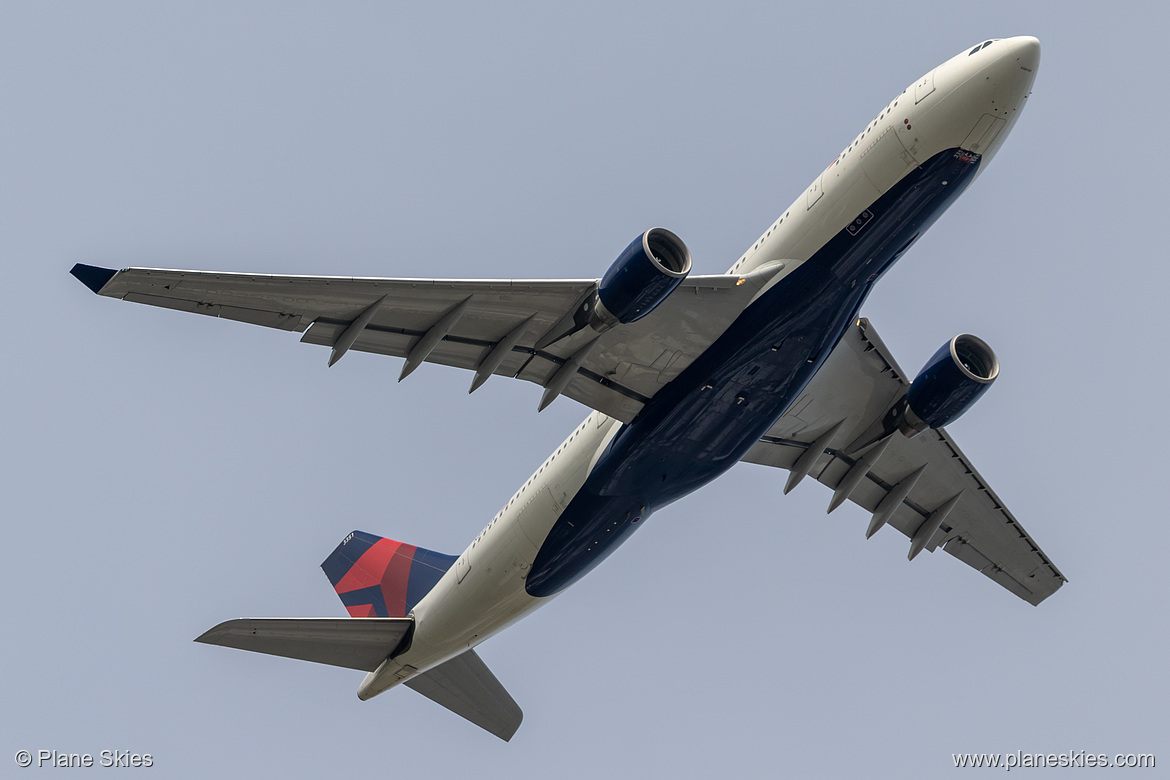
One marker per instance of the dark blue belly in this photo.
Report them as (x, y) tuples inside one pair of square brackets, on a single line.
[(704, 421)]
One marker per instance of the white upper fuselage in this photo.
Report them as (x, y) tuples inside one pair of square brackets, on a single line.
[(970, 102)]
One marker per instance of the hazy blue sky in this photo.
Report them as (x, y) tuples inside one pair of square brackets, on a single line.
[(164, 472)]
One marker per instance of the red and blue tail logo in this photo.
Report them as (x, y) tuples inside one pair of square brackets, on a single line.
[(378, 577)]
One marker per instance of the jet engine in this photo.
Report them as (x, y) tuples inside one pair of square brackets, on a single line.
[(649, 269), (949, 384)]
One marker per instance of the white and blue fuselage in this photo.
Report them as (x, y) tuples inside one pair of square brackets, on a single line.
[(828, 248)]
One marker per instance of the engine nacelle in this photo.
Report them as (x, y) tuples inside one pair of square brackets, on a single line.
[(949, 384), (649, 269)]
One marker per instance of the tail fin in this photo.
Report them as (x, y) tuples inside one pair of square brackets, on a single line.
[(378, 577)]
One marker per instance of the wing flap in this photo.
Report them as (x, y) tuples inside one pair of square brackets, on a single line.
[(352, 643), (858, 384), (466, 686)]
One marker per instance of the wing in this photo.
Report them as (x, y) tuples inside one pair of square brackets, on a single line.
[(505, 327), (925, 486)]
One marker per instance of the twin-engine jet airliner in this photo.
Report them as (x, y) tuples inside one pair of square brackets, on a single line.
[(686, 375)]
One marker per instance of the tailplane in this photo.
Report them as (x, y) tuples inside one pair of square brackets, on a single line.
[(353, 644), (468, 688), (380, 581)]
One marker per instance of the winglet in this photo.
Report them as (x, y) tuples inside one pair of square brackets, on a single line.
[(92, 276)]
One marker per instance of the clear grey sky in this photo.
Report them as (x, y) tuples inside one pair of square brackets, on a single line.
[(164, 472)]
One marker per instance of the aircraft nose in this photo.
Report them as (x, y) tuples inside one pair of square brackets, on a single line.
[(1014, 68), (1025, 50)]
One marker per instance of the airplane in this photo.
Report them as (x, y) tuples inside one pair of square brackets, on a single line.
[(686, 375)]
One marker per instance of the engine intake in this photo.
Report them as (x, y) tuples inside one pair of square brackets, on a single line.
[(949, 384), (649, 270)]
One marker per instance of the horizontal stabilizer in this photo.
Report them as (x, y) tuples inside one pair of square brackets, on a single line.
[(468, 688), (348, 642)]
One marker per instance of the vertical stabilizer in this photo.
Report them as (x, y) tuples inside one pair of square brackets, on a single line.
[(377, 577)]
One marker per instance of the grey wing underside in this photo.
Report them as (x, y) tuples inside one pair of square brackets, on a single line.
[(466, 686), (837, 432), (491, 327), (346, 642)]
